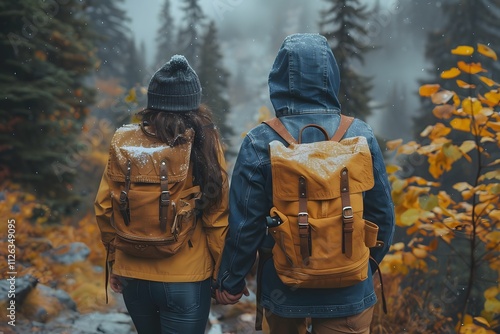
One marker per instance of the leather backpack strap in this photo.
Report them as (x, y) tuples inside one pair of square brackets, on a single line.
[(107, 274), (382, 293), (124, 203), (347, 213), (345, 122), (280, 129), (303, 222), (164, 196), (264, 255)]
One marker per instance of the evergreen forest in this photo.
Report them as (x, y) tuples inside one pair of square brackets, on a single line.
[(424, 74)]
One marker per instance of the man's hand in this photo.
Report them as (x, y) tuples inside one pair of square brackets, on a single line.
[(115, 283), (225, 298)]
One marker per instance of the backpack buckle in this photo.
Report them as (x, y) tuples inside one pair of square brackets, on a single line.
[(124, 207), (302, 219), (123, 197), (165, 198), (347, 212)]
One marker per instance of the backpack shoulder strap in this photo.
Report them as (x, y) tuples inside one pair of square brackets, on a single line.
[(280, 129), (345, 122), (276, 125)]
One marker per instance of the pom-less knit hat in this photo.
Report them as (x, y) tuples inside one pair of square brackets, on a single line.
[(174, 87)]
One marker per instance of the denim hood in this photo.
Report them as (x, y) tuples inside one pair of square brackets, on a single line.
[(305, 77)]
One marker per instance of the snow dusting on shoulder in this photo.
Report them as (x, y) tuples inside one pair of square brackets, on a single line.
[(142, 154), (127, 127), (140, 150)]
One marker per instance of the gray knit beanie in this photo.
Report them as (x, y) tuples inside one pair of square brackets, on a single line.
[(174, 87)]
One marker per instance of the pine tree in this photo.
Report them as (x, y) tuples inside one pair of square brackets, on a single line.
[(214, 80), (46, 57), (135, 64), (165, 36), (467, 22), (343, 25), (418, 17), (120, 64), (395, 119), (109, 22), (119, 97), (188, 38)]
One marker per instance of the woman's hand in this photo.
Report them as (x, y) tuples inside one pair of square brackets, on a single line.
[(115, 283), (225, 298)]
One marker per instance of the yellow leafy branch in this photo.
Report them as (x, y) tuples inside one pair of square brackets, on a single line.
[(429, 214)]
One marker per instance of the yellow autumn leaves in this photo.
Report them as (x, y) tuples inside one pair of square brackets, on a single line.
[(466, 50), (470, 68), (438, 96), (474, 115), (429, 213)]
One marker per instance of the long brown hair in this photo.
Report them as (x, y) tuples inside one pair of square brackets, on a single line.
[(208, 172)]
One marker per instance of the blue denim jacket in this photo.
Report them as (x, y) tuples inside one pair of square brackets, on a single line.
[(303, 87)]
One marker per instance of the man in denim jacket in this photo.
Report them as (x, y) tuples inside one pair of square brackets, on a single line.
[(303, 83)]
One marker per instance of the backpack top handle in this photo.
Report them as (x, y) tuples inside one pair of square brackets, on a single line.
[(313, 126)]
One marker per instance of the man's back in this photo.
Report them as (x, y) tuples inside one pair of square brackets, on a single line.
[(304, 84)]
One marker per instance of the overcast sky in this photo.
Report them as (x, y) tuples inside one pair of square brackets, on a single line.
[(255, 16), (241, 14), (251, 32)]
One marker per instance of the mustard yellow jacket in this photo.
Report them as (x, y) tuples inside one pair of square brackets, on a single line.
[(196, 262)]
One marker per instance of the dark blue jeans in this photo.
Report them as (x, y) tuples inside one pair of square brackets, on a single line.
[(167, 308)]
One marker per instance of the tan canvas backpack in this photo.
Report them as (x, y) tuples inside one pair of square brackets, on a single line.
[(153, 196), (321, 238)]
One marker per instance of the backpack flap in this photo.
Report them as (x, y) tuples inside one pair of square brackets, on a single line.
[(146, 154), (321, 164)]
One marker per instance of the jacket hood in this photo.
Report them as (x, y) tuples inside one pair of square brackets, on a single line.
[(305, 77)]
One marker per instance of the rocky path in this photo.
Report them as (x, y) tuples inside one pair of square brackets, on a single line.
[(46, 310), (223, 319)]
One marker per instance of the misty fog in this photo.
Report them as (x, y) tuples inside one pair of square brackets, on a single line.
[(250, 33)]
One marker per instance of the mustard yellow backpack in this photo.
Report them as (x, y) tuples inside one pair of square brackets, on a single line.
[(321, 238), (153, 196)]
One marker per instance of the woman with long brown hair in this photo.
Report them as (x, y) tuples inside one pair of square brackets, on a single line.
[(162, 206)]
